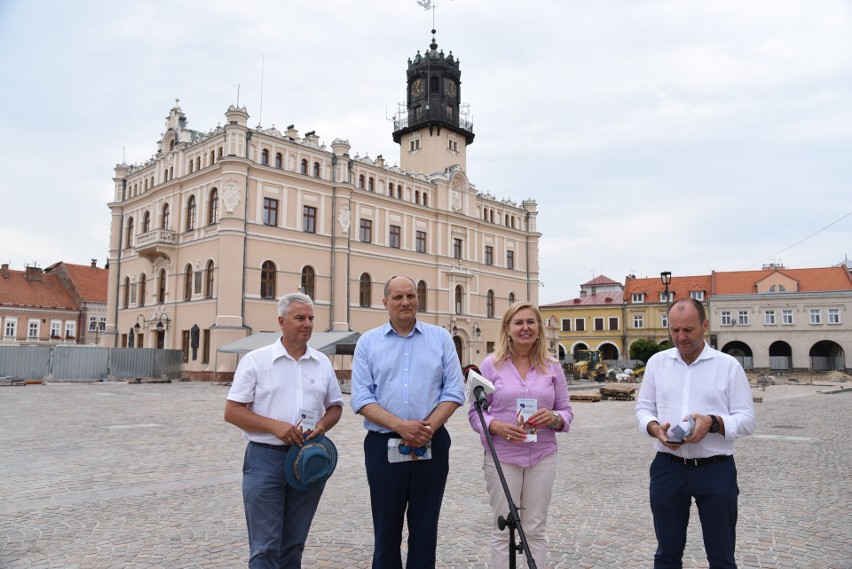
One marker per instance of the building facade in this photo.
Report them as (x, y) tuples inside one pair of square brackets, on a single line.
[(210, 231)]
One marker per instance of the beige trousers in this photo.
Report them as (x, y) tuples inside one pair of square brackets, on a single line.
[(531, 488)]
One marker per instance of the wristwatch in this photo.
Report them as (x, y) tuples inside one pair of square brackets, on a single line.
[(556, 417), (714, 428)]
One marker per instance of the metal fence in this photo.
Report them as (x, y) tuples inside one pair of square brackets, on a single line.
[(88, 362), (779, 363), (819, 363)]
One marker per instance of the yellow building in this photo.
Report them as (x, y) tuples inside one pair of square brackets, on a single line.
[(592, 321)]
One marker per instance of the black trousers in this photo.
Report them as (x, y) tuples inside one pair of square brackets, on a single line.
[(416, 487)]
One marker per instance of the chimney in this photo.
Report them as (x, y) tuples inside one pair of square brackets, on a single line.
[(94, 263), (5, 270), (33, 274)]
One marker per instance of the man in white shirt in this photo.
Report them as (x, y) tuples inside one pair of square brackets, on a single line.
[(273, 388), (693, 379)]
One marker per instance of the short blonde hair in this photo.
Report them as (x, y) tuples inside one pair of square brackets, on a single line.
[(539, 357)]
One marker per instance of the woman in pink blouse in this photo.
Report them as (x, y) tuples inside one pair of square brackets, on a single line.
[(529, 383)]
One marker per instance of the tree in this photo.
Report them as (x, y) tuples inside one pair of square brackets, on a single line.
[(643, 349)]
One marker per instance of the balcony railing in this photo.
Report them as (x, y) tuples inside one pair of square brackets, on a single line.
[(156, 243)]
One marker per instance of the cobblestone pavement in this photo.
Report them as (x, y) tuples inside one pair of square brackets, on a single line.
[(97, 475)]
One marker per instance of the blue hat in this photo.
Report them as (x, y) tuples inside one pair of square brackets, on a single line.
[(311, 464)]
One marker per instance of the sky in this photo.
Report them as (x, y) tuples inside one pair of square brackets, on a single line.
[(654, 135)]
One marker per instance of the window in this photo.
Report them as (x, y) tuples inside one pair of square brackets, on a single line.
[(125, 300), (489, 304), (566, 324), (371, 185), (187, 283), (205, 347), (365, 296), (834, 316), (665, 298), (308, 277), (70, 329), (638, 320), (417, 197), (457, 248), (32, 329), (133, 293), (421, 241), (316, 170), (395, 236), (613, 323), (510, 259), (270, 211), (777, 288), (55, 328), (664, 320), (268, 274), (309, 219), (489, 347), (129, 239), (143, 284), (146, 222), (696, 295), (815, 315), (787, 317), (93, 324), (637, 297), (11, 328), (459, 308), (190, 213), (264, 157), (580, 324), (164, 221), (213, 211), (208, 288), (161, 287), (489, 255), (511, 298), (304, 167), (102, 323), (361, 182), (414, 145), (366, 233), (742, 317), (599, 324), (421, 296), (726, 318), (279, 159), (769, 317)]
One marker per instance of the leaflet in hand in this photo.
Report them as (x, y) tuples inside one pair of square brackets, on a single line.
[(307, 420), (526, 409)]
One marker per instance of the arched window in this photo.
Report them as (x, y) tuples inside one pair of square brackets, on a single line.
[(422, 292), (399, 192), (279, 160), (146, 184), (316, 170), (365, 295), (213, 209), (208, 288), (187, 282), (492, 216), (361, 182), (308, 275), (198, 163), (371, 185), (161, 287), (212, 157), (489, 304), (221, 152), (304, 169), (417, 197), (268, 275), (485, 214), (190, 213), (511, 298), (129, 232), (507, 220), (172, 144), (264, 157), (191, 164), (165, 219), (146, 222), (425, 199), (143, 281), (513, 222), (126, 300), (459, 297)]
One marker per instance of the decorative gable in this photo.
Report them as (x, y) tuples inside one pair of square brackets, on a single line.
[(776, 281)]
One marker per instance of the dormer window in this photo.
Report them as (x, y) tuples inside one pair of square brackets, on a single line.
[(697, 295), (637, 298), (666, 298)]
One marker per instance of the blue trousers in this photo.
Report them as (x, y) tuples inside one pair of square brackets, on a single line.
[(714, 487), (417, 487), (278, 517)]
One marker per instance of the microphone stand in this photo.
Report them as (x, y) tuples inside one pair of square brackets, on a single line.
[(514, 520)]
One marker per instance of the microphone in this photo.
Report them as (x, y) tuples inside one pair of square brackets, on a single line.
[(477, 386)]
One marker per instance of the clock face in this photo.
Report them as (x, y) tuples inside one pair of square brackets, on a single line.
[(451, 88), (417, 88)]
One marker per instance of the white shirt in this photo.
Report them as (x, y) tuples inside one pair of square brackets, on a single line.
[(714, 384), (275, 385)]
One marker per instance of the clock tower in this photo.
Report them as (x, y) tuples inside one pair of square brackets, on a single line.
[(433, 128)]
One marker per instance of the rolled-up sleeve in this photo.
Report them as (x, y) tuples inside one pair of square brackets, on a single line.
[(363, 386)]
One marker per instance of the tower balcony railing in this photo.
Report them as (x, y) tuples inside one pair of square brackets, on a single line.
[(415, 119)]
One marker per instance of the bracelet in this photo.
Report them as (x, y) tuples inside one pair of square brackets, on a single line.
[(558, 419)]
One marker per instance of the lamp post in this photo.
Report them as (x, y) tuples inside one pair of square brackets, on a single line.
[(666, 278)]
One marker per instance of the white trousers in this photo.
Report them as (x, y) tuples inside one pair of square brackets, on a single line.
[(531, 489)]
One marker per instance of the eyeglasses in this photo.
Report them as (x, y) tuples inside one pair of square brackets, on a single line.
[(418, 451)]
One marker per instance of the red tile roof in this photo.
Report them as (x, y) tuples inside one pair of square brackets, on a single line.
[(601, 280), (810, 280), (47, 292), (613, 298), (680, 286), (91, 282)]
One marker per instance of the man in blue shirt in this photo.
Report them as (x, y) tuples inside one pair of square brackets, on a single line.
[(406, 383)]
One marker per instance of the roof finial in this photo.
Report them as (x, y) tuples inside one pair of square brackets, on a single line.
[(434, 44)]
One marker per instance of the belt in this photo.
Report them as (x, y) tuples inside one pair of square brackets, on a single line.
[(697, 461), (274, 447)]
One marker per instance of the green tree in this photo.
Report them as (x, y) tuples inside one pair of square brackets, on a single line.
[(643, 349)]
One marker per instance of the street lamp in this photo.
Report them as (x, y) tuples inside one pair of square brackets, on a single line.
[(666, 277), (163, 318), (476, 330)]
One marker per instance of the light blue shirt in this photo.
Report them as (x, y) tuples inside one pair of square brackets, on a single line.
[(407, 376)]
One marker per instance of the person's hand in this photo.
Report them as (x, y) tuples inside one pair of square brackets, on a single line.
[(414, 433), (318, 430), (661, 432), (701, 430), (289, 434), (542, 418), (509, 431)]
